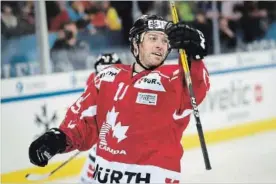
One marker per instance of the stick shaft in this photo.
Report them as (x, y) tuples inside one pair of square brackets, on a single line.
[(65, 162), (185, 66)]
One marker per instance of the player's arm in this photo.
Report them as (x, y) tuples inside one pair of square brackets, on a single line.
[(77, 131), (79, 124), (90, 79), (200, 80), (181, 36)]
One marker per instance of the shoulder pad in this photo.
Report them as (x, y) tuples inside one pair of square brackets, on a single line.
[(108, 74)]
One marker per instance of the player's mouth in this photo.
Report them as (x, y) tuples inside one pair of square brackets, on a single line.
[(158, 54)]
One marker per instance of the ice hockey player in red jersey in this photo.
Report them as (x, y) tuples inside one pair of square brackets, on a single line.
[(104, 60), (136, 114)]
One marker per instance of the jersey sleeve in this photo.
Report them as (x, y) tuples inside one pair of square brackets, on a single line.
[(80, 124), (200, 84), (90, 79), (200, 80)]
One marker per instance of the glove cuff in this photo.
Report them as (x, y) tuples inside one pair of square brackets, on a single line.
[(58, 138)]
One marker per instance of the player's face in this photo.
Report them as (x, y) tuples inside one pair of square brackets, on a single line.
[(153, 48)]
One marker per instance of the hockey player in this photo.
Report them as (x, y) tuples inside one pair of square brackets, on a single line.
[(135, 114), (104, 60)]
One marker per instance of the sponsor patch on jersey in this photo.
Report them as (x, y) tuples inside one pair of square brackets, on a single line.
[(107, 75), (146, 98), (151, 81)]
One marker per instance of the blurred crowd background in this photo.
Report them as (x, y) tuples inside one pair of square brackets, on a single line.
[(77, 31)]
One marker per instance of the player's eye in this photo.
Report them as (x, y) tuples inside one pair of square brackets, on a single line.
[(153, 38), (165, 40)]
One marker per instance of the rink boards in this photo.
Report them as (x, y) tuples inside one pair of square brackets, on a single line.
[(240, 103)]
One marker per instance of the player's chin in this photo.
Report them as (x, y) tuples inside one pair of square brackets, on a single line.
[(156, 61)]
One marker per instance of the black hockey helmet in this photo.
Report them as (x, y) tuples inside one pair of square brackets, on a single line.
[(106, 59), (143, 24), (147, 23)]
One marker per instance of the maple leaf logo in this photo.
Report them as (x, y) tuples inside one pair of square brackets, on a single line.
[(118, 130), (111, 117)]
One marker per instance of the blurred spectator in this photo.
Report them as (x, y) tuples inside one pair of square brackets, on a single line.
[(96, 14), (62, 16), (125, 12), (9, 22), (17, 26), (53, 9), (72, 11), (163, 9), (253, 21), (186, 10), (124, 9), (228, 37), (270, 7), (206, 6), (27, 18), (68, 53), (229, 10), (146, 7), (76, 11), (112, 20), (205, 26), (239, 22), (27, 13)]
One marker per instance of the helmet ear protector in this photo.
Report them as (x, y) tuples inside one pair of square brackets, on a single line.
[(144, 24)]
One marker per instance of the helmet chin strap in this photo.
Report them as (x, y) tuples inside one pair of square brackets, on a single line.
[(139, 63), (152, 67)]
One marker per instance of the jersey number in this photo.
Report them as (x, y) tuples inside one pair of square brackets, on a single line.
[(77, 106), (121, 91)]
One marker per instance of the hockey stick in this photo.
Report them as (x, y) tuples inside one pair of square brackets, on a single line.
[(35, 177), (185, 66)]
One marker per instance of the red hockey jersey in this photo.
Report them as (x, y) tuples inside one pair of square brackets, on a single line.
[(136, 121)]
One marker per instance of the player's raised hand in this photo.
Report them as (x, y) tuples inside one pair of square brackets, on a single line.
[(182, 36)]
